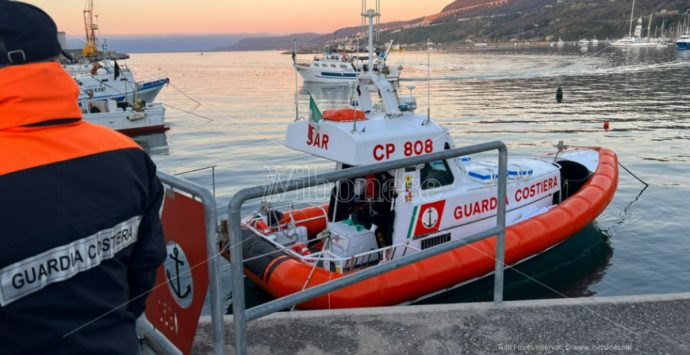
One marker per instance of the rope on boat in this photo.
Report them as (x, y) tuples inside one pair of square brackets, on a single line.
[(189, 112), (261, 255), (633, 175), (311, 273), (561, 147)]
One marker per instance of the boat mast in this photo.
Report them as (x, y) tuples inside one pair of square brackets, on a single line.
[(378, 20), (649, 25), (428, 80), (294, 62), (371, 80), (372, 15), (91, 26), (632, 12)]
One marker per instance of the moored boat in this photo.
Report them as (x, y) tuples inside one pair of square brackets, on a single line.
[(635, 39), (136, 119), (683, 43), (108, 80), (378, 218), (342, 67)]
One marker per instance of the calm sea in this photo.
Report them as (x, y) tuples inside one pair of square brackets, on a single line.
[(230, 110)]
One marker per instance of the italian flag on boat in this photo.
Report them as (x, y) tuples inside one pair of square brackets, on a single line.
[(314, 112)]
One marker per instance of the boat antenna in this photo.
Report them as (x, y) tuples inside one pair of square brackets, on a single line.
[(356, 58), (354, 109), (364, 9), (294, 61), (378, 20), (428, 81), (370, 14)]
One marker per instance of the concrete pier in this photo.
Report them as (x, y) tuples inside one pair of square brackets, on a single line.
[(650, 324)]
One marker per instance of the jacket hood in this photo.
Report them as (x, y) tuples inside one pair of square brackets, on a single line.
[(35, 93)]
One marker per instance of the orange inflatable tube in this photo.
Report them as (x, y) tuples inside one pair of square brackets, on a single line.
[(285, 275)]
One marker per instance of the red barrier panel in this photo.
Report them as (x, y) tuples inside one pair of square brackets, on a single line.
[(174, 305)]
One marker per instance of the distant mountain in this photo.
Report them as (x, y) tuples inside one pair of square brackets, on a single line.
[(305, 40), (270, 43), (163, 43)]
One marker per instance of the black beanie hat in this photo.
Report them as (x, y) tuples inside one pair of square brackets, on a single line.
[(27, 34)]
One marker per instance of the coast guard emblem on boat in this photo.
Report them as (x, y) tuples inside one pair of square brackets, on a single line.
[(430, 217), (179, 275), (428, 220)]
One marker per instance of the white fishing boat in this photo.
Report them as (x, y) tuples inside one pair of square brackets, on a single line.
[(583, 42), (108, 80), (342, 67), (378, 218), (336, 66), (129, 119)]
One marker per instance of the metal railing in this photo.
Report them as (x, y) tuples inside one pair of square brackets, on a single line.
[(241, 315), (160, 342)]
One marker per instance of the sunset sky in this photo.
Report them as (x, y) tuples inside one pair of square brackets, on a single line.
[(227, 16)]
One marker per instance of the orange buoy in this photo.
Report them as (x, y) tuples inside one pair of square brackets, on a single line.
[(261, 226)]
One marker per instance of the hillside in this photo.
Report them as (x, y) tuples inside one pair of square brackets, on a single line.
[(502, 21), (505, 20)]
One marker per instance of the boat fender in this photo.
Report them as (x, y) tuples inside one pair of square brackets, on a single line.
[(261, 226), (301, 249)]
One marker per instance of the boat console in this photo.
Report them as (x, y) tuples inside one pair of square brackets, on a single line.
[(347, 238)]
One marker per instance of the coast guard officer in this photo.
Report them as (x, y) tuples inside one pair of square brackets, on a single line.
[(80, 233)]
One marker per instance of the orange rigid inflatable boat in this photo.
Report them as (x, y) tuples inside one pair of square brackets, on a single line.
[(282, 274), (379, 218)]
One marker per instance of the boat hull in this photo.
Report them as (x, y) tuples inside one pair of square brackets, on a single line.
[(320, 76), (684, 46), (147, 91), (127, 122), (634, 45), (281, 275), (315, 75)]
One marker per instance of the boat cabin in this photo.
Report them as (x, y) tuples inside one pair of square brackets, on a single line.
[(416, 207)]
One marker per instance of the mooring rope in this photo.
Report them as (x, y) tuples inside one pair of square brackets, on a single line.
[(185, 94), (189, 112), (633, 175)]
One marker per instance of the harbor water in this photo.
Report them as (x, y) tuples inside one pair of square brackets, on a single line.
[(231, 110)]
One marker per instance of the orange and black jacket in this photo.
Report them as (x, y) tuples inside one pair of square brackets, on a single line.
[(80, 233)]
